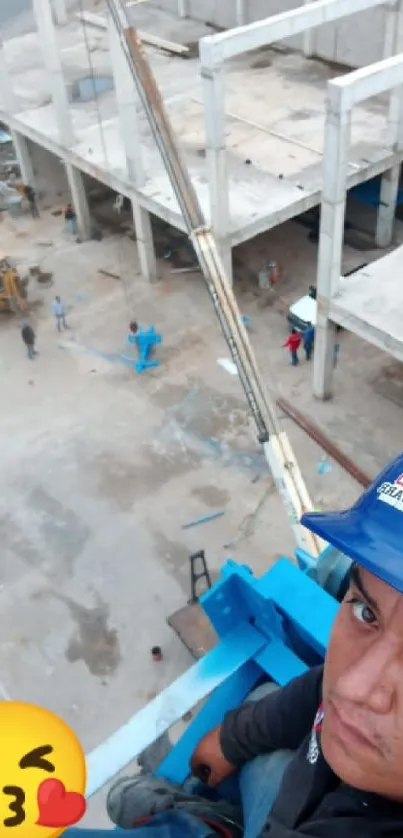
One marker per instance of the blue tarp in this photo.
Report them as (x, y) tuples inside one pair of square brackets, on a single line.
[(369, 193)]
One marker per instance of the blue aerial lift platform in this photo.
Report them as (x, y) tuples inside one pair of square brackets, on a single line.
[(274, 627)]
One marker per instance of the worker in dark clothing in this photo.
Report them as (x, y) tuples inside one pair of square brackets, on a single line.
[(293, 343), (309, 337), (70, 218), (321, 757), (28, 336), (31, 198)]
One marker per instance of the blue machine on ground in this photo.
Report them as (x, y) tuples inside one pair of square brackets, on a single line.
[(145, 339), (274, 627)]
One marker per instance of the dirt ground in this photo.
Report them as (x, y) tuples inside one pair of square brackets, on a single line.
[(101, 467)]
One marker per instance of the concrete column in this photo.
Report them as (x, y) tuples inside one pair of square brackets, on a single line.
[(6, 88), (308, 38), (216, 154), (183, 8), (128, 104), (393, 44), (51, 56), (385, 221), (79, 201), (241, 13), (60, 12), (335, 164), (23, 155), (145, 242)]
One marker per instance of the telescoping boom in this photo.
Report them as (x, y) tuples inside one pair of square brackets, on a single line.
[(277, 449)]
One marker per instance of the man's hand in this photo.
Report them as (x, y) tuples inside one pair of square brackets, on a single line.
[(208, 762)]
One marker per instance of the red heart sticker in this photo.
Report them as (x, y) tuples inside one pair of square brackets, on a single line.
[(58, 807)]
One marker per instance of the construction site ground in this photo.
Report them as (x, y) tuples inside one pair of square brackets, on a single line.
[(101, 467)]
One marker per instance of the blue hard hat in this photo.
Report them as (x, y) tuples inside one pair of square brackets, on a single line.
[(371, 532)]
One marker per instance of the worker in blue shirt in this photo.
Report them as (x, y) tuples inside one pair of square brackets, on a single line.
[(308, 339), (59, 314)]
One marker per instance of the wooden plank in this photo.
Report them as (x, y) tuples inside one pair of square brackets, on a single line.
[(100, 22), (194, 629)]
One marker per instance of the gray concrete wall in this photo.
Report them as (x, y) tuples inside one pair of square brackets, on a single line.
[(354, 41)]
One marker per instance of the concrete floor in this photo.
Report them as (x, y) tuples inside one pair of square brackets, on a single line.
[(101, 467), (371, 303), (274, 118)]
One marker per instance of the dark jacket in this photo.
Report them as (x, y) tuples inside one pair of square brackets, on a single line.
[(309, 336), (312, 802), (28, 334)]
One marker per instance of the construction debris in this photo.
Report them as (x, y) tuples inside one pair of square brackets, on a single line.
[(191, 270), (100, 22), (202, 520), (108, 273), (156, 654)]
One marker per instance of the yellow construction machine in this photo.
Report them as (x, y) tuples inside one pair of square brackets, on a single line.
[(13, 294)]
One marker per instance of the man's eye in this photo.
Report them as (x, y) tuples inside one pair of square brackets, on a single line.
[(362, 612)]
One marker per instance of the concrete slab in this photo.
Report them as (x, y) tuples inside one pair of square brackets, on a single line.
[(282, 139), (370, 303)]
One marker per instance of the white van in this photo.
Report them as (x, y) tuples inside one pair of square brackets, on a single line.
[(303, 311)]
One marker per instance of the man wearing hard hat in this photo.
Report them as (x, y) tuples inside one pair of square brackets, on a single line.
[(333, 737)]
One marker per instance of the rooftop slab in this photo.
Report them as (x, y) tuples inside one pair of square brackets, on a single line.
[(275, 119), (370, 303)]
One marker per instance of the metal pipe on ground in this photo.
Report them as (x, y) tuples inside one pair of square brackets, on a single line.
[(321, 439)]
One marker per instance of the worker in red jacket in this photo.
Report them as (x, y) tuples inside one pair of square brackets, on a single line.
[(293, 343)]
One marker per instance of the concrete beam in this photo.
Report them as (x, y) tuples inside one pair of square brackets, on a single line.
[(79, 201), (215, 49), (370, 81), (20, 144), (53, 64), (335, 166)]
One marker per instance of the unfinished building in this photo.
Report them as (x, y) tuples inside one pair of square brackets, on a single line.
[(253, 124)]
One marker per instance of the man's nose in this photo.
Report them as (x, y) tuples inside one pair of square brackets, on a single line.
[(371, 679)]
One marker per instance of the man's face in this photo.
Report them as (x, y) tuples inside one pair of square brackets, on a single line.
[(362, 732)]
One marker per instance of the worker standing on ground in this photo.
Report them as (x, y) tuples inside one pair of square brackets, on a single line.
[(30, 195), (70, 218), (28, 336), (309, 337), (293, 343), (59, 314)]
